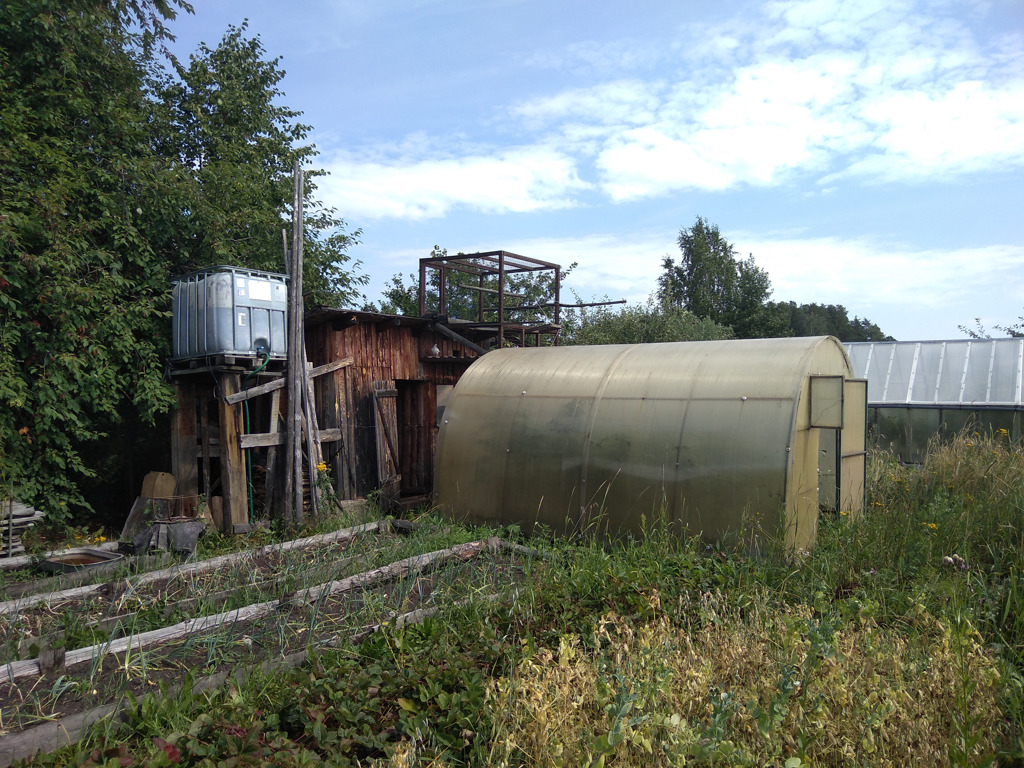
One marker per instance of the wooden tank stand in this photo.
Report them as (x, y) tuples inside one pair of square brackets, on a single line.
[(206, 427)]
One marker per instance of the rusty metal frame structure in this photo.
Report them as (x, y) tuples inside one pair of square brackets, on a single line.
[(491, 265)]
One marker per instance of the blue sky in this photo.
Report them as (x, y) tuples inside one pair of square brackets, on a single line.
[(866, 153)]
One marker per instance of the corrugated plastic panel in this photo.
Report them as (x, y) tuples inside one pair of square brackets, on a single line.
[(961, 373)]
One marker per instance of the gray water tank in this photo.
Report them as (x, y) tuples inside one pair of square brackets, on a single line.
[(229, 311)]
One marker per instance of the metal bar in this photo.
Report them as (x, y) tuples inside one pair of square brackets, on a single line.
[(867, 362), (423, 287), (991, 368), (963, 375), (445, 330), (913, 371), (938, 379), (442, 291), (888, 373), (1020, 371), (558, 305), (501, 300)]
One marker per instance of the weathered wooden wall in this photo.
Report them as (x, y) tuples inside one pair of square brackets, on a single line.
[(396, 354)]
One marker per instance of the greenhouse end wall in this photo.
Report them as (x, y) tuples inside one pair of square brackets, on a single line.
[(717, 438)]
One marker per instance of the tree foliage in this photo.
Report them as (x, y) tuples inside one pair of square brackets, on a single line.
[(829, 320), (83, 304), (637, 324), (233, 147), (711, 283), (115, 177), (979, 331)]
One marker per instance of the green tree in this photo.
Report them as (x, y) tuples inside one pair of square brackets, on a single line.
[(829, 320), (714, 285), (979, 331), (83, 293), (232, 146), (637, 324)]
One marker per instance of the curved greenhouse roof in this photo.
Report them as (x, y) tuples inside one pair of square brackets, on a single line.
[(719, 437), (967, 373)]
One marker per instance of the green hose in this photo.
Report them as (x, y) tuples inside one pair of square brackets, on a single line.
[(248, 454)]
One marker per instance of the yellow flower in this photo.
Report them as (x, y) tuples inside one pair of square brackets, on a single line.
[(321, 467)]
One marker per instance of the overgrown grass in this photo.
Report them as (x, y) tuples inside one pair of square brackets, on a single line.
[(899, 637)]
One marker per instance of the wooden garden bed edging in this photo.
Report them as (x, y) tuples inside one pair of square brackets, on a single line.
[(22, 561), (398, 621), (31, 667), (60, 733), (190, 568)]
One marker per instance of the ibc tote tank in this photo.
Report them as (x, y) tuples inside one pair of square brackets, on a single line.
[(720, 437), (227, 310)]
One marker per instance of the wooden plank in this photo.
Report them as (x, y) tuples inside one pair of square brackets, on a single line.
[(264, 439), (193, 568), (277, 384), (386, 423), (232, 467), (270, 487), (204, 427), (32, 667), (183, 440), (51, 736), (314, 451)]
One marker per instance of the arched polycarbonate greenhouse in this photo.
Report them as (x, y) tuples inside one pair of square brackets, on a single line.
[(746, 438)]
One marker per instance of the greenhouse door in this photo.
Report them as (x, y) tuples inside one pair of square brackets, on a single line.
[(853, 442)]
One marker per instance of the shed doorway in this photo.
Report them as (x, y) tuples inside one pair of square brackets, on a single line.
[(405, 416)]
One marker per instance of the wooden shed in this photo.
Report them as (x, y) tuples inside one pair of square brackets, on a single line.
[(387, 401)]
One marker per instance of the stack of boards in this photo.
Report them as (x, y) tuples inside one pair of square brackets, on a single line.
[(15, 519)]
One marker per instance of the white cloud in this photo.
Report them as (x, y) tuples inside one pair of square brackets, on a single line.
[(970, 127), (910, 293), (819, 90), (878, 90), (627, 102), (515, 180), (911, 288)]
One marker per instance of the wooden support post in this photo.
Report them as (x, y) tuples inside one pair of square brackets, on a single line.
[(232, 467), (183, 441), (272, 487), (296, 358), (314, 451), (204, 428)]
